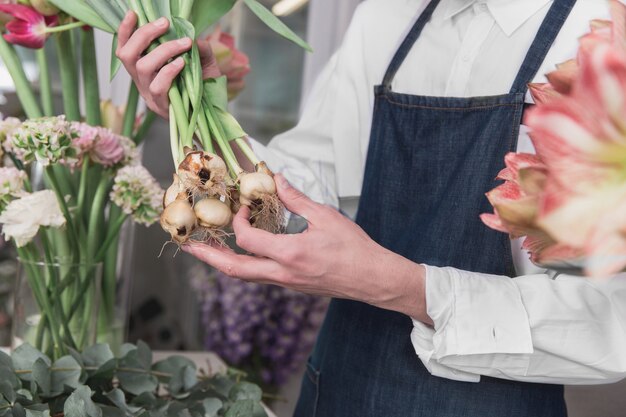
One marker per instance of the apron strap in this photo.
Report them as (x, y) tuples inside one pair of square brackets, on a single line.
[(549, 30), (408, 43)]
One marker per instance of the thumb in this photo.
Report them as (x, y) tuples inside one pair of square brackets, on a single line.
[(295, 201)]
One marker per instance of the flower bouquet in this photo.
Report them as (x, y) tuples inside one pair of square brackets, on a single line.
[(93, 182), (569, 200), (207, 187)]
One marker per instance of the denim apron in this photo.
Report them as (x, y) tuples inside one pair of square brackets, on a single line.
[(430, 162)]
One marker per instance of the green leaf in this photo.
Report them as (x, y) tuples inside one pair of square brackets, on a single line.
[(5, 408), (97, 355), (5, 360), (9, 376), (30, 412), (80, 10), (246, 408), (183, 380), (116, 64), (172, 365), (107, 11), (26, 394), (118, 398), (216, 89), (275, 24), (202, 17), (108, 411), (42, 376), (65, 373), (245, 391), (212, 406), (134, 370), (7, 391), (24, 357), (80, 404), (230, 125), (145, 400), (144, 355)]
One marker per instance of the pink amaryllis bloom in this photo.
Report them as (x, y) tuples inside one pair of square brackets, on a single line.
[(28, 28), (232, 63), (581, 138), (516, 206)]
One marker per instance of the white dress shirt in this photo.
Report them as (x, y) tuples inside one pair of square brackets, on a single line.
[(540, 326)]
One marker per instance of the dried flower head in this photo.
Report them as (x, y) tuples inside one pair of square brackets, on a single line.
[(137, 193), (23, 217), (46, 140)]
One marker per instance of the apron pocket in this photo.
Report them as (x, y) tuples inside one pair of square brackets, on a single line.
[(309, 393)]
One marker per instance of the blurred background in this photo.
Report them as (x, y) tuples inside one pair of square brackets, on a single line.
[(178, 304)]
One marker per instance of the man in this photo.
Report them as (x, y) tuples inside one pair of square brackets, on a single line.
[(433, 93)]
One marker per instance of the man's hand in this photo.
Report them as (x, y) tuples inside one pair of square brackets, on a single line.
[(334, 257), (155, 72)]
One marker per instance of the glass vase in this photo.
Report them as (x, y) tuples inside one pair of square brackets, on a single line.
[(57, 306)]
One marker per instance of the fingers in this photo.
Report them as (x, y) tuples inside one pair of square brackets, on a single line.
[(295, 201), (244, 267), (160, 86), (139, 41), (257, 241), (127, 27), (155, 60)]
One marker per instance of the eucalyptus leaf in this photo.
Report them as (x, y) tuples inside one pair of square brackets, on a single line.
[(245, 391), (246, 408), (42, 376), (80, 10), (26, 394), (5, 360), (137, 383), (30, 412), (275, 24), (144, 400), (117, 397), (80, 404), (144, 355), (65, 374), (108, 411), (97, 355), (5, 407), (24, 357), (202, 17), (7, 391), (18, 410), (212, 407), (8, 375)]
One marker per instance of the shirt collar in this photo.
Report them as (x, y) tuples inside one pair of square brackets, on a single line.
[(508, 14)]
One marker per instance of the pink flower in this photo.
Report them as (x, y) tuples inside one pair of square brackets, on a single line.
[(28, 27), (232, 63), (108, 149)]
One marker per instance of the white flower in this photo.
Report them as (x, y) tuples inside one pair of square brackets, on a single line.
[(11, 182), (137, 193), (7, 126), (23, 217)]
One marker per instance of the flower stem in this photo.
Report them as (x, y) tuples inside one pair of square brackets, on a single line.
[(90, 79), (82, 189), (227, 152), (50, 176), (23, 87), (45, 86), (136, 6), (174, 137), (247, 150), (69, 75), (145, 127), (63, 28), (131, 111), (99, 201)]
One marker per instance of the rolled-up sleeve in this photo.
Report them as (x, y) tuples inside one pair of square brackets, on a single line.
[(566, 330)]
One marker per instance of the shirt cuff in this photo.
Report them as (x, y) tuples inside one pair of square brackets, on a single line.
[(476, 314)]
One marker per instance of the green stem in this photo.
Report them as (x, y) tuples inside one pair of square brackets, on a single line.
[(138, 9), (82, 190), (45, 84), (247, 150), (94, 217), (148, 120), (179, 110), (174, 137), (69, 75), (23, 86), (51, 178), (224, 145), (90, 78), (113, 233), (64, 28), (130, 115)]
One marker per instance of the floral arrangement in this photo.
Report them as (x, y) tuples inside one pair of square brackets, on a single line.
[(207, 188), (92, 183), (95, 383), (268, 331), (569, 200)]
